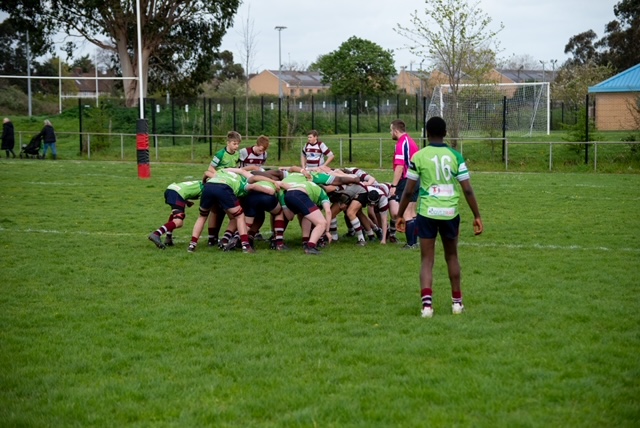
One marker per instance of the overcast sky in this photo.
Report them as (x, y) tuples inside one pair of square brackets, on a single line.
[(539, 28)]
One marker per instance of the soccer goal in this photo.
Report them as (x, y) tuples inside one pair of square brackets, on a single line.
[(482, 110)]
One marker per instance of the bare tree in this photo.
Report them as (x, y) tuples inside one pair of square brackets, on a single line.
[(247, 54), (457, 38)]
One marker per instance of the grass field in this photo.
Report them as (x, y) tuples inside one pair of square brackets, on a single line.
[(100, 328)]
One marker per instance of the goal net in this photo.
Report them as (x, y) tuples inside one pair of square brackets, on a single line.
[(483, 110)]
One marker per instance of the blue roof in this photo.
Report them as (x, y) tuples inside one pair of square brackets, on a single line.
[(627, 81)]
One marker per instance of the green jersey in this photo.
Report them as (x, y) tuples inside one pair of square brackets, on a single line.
[(437, 167), (237, 182), (294, 177), (187, 189), (316, 193), (224, 159), (321, 177)]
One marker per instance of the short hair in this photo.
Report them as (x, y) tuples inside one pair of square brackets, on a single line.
[(263, 141), (234, 136), (373, 196), (399, 125), (313, 132), (436, 127)]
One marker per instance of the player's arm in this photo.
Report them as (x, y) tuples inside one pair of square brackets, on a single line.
[(470, 196), (330, 157), (240, 171), (404, 202), (260, 188), (303, 160), (397, 176)]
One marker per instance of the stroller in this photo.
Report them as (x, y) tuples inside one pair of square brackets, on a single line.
[(32, 150)]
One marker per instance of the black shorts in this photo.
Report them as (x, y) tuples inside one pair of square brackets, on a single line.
[(299, 202), (428, 228), (174, 200), (258, 202), (218, 193), (400, 189)]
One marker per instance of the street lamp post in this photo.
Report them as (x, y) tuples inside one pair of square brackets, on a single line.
[(543, 63), (553, 64), (280, 28)]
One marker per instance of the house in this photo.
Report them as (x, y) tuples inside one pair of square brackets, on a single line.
[(294, 83), (617, 101), (88, 86)]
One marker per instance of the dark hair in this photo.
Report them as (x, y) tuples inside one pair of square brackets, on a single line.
[(436, 127), (313, 132), (399, 125), (373, 196)]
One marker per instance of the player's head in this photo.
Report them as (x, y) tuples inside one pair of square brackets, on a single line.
[(436, 128), (233, 141), (262, 144), (5, 120), (373, 197), (312, 136), (47, 122), (398, 128)]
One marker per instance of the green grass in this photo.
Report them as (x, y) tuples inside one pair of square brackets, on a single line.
[(99, 328)]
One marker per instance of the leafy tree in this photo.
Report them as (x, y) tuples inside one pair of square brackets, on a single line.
[(573, 81), (621, 43), (583, 48), (84, 63), (357, 67), (457, 38), (180, 37)]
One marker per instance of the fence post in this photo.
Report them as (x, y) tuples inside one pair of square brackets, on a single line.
[(586, 146), (595, 156), (380, 153), (192, 148), (550, 156), (313, 111), (506, 155), (279, 126), (335, 114), (122, 146), (88, 146), (504, 123), (80, 121), (350, 130), (340, 151)]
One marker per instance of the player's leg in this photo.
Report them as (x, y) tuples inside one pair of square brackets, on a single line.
[(352, 214), (319, 227), (427, 231), (449, 230)]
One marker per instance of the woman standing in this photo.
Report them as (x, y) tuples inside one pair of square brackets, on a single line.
[(8, 138), (49, 138)]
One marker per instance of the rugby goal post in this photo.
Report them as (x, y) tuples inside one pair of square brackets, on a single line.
[(479, 109)]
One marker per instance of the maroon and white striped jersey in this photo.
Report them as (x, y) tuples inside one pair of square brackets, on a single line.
[(315, 154), (248, 157)]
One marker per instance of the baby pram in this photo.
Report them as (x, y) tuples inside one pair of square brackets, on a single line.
[(32, 150)]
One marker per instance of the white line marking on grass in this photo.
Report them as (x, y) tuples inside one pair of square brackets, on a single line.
[(461, 243), (545, 247)]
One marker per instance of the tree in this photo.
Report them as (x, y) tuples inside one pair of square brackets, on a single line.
[(357, 67), (583, 48), (522, 62), (620, 43), (249, 45), (573, 81), (458, 40), (180, 37)]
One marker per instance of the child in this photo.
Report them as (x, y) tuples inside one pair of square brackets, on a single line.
[(177, 197), (437, 167), (314, 153), (225, 158), (254, 158)]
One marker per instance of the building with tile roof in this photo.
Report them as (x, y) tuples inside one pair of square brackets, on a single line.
[(617, 101), (294, 83)]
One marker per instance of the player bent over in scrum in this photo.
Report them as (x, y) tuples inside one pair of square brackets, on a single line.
[(223, 188), (177, 196), (304, 199)]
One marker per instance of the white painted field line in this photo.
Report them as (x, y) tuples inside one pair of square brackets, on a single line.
[(544, 247), (461, 243)]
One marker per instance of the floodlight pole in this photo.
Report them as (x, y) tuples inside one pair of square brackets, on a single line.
[(543, 63), (279, 28), (553, 64)]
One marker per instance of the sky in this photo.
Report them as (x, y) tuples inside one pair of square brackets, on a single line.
[(538, 28)]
